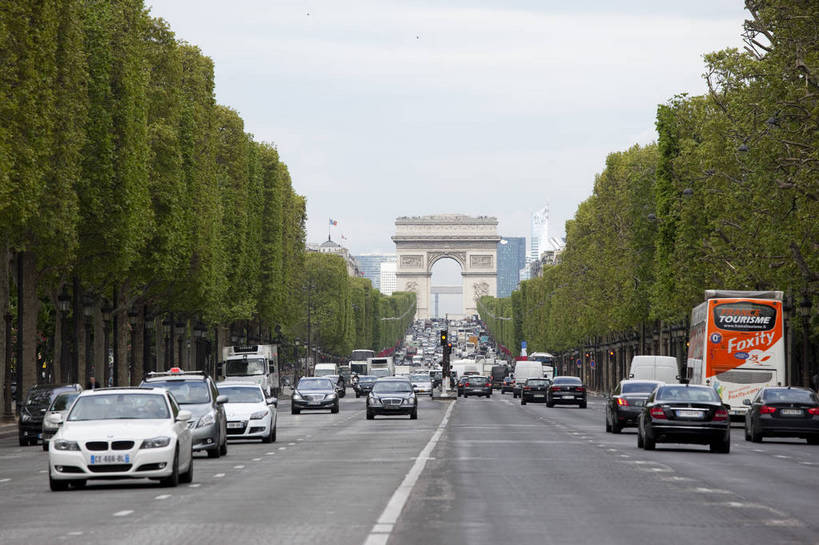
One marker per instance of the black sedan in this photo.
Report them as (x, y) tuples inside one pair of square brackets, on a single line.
[(364, 385), (508, 385), (783, 412), (535, 391), (392, 395), (624, 405), (314, 393), (566, 391), (460, 385), (683, 413), (477, 385)]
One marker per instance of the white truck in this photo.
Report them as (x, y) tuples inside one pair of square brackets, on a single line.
[(651, 367), (257, 363), (381, 367), (359, 361), (403, 370), (324, 369)]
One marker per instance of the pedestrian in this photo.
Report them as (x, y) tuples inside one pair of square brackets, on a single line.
[(92, 383)]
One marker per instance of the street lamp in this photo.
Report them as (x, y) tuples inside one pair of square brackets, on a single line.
[(106, 318), (166, 332), (147, 329), (133, 318), (199, 331), (64, 304), (88, 314), (7, 317), (180, 334), (805, 305)]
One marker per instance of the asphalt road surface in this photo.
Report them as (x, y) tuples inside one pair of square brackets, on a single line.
[(474, 471)]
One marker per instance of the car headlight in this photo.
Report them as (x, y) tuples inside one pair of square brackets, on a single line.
[(331, 396), (206, 420), (297, 396), (259, 415), (374, 400), (62, 444), (156, 442)]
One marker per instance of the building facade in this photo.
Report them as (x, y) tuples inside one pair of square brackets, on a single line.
[(511, 259), (539, 241), (370, 266), (388, 281), (330, 247)]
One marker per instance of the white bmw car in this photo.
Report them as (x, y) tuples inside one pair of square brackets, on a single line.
[(121, 433), (250, 415)]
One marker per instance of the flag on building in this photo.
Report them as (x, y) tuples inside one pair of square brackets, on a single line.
[(333, 222)]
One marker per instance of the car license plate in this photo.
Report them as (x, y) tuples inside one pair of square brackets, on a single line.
[(97, 459), (791, 412), (235, 424), (538, 395), (567, 396), (314, 402), (689, 414)]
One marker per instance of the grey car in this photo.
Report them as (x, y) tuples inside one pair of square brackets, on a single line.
[(60, 405), (392, 395), (314, 393), (194, 391)]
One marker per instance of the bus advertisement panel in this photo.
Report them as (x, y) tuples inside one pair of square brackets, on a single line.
[(736, 344)]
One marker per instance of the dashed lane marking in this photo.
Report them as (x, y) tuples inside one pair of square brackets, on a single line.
[(257, 459), (218, 475), (195, 485), (162, 497), (123, 513), (240, 466)]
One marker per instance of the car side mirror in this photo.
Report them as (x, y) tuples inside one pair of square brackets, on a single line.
[(183, 416), (55, 419), (222, 399), (746, 401), (273, 401)]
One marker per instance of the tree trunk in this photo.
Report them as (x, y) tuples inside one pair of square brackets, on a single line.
[(5, 402), (27, 331)]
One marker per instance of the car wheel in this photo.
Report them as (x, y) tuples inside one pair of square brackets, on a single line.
[(187, 477), (747, 431), (173, 479), (522, 400), (430, 395), (640, 442), (608, 424), (334, 410), (649, 443), (756, 436), (273, 435), (56, 486), (370, 415), (357, 395), (45, 445), (414, 414), (269, 437), (214, 452), (294, 410), (22, 440), (550, 404), (723, 446), (813, 440), (616, 428), (223, 448)]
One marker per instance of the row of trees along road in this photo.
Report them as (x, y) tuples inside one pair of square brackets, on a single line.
[(127, 192), (726, 198)]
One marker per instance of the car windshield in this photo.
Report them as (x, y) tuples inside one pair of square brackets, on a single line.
[(186, 392), (244, 367), (686, 393), (119, 407), (40, 397), (314, 384), (785, 395), (568, 380), (392, 387), (639, 387), (476, 378), (537, 382), (419, 378), (241, 394), (63, 401), (367, 378)]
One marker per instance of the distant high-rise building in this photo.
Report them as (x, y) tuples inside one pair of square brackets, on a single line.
[(539, 242), (511, 259), (370, 266), (388, 281)]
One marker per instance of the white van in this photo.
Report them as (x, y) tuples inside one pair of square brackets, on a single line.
[(526, 370), (662, 368), (324, 369)]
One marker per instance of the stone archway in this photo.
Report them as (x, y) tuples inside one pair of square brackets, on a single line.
[(421, 241)]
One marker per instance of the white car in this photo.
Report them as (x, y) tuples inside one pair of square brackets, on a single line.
[(121, 433), (250, 415), (421, 384)]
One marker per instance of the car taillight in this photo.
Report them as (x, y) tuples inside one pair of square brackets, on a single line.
[(814, 411), (527, 387), (623, 402), (720, 414), (765, 409), (466, 384), (580, 389), (555, 388), (488, 384), (657, 412)]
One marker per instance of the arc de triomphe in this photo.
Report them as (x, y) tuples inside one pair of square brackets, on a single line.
[(471, 241)]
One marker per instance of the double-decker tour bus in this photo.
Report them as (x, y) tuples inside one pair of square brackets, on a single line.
[(736, 344)]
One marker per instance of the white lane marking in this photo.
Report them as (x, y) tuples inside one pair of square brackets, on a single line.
[(257, 459), (793, 523), (282, 448), (809, 463), (782, 456), (704, 490), (269, 453), (162, 497), (290, 444), (218, 475), (4, 480), (76, 533), (758, 450), (300, 439), (611, 449), (123, 513), (399, 498), (43, 471), (196, 485), (239, 467)]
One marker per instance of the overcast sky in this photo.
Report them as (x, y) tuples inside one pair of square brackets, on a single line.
[(388, 108)]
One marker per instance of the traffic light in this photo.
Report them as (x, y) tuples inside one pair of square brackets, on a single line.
[(612, 355), (443, 337)]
